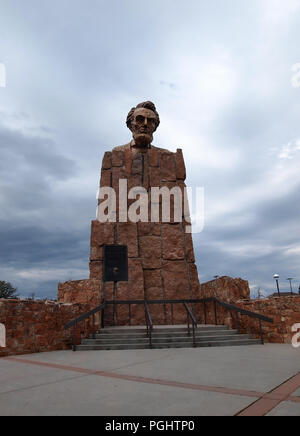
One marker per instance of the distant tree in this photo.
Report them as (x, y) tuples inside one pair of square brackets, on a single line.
[(7, 290)]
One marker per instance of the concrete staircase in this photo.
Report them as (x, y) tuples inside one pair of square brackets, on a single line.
[(133, 338)]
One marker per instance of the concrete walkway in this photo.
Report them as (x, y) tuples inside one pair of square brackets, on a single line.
[(246, 380)]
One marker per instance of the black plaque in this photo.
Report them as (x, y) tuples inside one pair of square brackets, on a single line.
[(115, 263)]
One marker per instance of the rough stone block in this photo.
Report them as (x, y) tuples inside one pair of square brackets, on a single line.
[(167, 166), (105, 180), (150, 251), (145, 176), (156, 229), (194, 281), (154, 174), (153, 284), (96, 253), (128, 161), (144, 229), (153, 157), (176, 280), (96, 270), (127, 235), (134, 180), (188, 241), (108, 291), (180, 165), (137, 164), (117, 174), (227, 289), (136, 279), (117, 158), (81, 291), (172, 242), (106, 162), (134, 288), (101, 234)]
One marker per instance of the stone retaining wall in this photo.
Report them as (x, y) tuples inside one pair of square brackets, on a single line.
[(285, 310), (36, 326)]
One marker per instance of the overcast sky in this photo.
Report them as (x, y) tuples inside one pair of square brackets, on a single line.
[(220, 74)]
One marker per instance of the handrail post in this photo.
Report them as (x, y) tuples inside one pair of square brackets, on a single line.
[(237, 322), (93, 325), (194, 338), (150, 336), (194, 323), (102, 318), (261, 332), (149, 323), (190, 316), (74, 339), (146, 319), (129, 313)]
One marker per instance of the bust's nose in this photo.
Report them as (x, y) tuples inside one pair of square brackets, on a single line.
[(145, 121)]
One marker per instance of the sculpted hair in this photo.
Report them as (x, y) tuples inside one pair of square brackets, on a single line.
[(146, 105)]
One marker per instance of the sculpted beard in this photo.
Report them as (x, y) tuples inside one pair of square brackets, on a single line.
[(142, 139)]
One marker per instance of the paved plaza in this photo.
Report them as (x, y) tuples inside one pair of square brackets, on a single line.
[(245, 380)]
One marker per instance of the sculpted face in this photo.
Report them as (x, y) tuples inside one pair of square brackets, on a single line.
[(143, 126)]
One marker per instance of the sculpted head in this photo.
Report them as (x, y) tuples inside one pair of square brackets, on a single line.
[(143, 120)]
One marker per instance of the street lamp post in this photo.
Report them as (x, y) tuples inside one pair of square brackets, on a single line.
[(276, 277), (290, 280)]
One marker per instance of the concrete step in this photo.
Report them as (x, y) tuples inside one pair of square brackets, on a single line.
[(230, 343), (167, 334), (134, 346), (158, 329), (133, 338), (157, 340)]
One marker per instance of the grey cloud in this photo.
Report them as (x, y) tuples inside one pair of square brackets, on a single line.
[(74, 71), (32, 154), (29, 164)]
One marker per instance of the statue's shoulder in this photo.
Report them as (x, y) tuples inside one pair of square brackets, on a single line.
[(128, 147), (163, 150), (122, 147)]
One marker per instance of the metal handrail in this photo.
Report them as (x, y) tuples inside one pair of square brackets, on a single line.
[(238, 310), (194, 322), (84, 316), (190, 315), (149, 323), (81, 318), (242, 311), (216, 302), (200, 300)]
